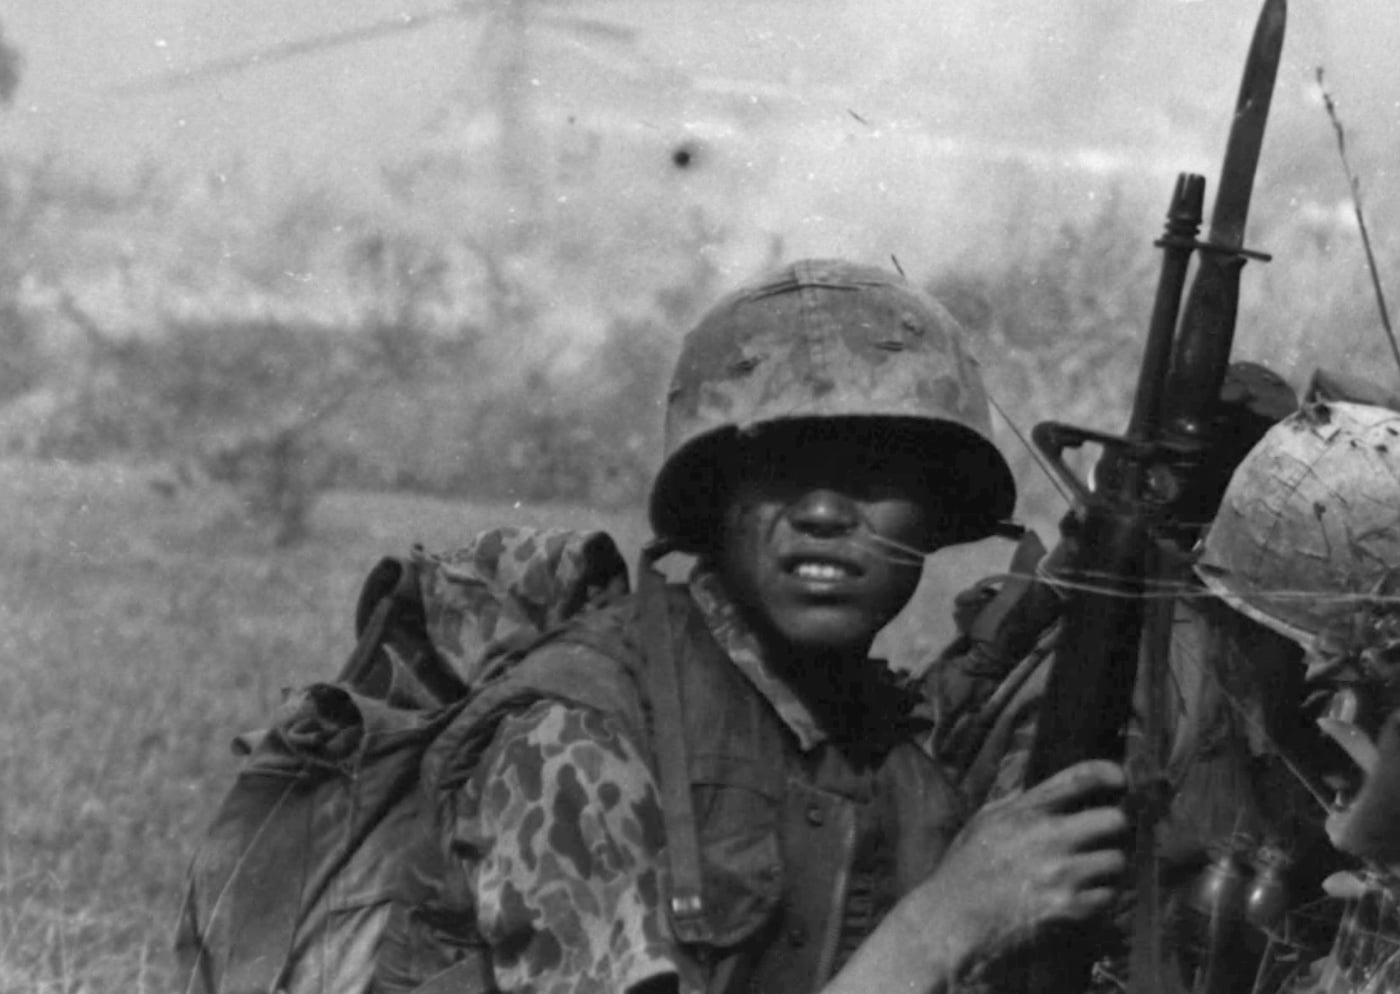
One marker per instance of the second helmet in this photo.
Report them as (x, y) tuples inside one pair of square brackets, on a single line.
[(1308, 531)]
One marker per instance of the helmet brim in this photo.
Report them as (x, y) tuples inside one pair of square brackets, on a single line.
[(1216, 581), (690, 489)]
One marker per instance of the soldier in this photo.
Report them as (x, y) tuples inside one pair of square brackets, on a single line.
[(1306, 553), (986, 685), (1292, 634), (825, 432), (1227, 785)]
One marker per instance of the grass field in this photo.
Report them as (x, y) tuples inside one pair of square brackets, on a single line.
[(139, 634)]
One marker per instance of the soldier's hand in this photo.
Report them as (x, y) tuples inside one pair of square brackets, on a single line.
[(1049, 855)]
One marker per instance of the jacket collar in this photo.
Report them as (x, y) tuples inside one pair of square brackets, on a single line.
[(896, 696)]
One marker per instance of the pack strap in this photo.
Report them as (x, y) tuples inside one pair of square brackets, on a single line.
[(988, 628), (688, 915)]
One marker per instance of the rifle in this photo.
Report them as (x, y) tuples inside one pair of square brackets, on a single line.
[(1129, 527)]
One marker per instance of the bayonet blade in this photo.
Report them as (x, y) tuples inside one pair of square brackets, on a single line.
[(1247, 129), (1202, 348)]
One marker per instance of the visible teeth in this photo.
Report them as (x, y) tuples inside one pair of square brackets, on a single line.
[(820, 571)]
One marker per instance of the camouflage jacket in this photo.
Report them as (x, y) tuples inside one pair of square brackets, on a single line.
[(806, 838)]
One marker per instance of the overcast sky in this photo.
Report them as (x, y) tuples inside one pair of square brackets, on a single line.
[(1140, 88), (892, 57)]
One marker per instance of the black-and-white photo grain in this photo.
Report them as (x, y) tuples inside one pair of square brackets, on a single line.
[(699, 495)]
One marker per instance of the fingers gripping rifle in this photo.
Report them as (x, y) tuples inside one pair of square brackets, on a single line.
[(1126, 524)]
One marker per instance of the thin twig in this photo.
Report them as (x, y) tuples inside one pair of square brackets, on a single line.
[(1355, 185)]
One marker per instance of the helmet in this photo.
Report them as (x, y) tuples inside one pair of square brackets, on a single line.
[(1311, 517), (823, 339)]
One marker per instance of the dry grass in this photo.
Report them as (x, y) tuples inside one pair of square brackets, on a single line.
[(139, 634)]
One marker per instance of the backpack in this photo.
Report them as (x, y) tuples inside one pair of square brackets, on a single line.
[(324, 868)]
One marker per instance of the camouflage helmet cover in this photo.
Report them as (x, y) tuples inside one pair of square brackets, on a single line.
[(823, 339), (1308, 531)]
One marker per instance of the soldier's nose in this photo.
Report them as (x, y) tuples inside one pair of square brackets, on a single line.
[(824, 512)]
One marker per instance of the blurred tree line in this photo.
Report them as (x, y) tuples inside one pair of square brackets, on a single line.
[(1058, 317), (298, 345), (280, 341)]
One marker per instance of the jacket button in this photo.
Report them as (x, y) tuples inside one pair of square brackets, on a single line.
[(815, 815), (797, 936)]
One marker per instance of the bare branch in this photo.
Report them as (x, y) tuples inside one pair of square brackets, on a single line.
[(1355, 186)]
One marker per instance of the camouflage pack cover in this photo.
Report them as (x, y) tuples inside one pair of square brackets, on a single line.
[(494, 596), (1308, 533), (324, 867), (826, 339)]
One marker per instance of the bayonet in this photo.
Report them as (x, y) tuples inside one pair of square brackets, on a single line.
[(1208, 320), (1131, 527), (1231, 206)]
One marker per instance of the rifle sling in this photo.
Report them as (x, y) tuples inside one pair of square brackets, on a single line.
[(688, 915)]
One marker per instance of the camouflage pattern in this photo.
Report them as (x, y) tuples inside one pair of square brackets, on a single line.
[(1309, 527), (561, 825), (495, 595), (825, 339), (739, 643), (571, 874), (567, 820), (563, 820)]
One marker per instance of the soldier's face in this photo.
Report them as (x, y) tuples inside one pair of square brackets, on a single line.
[(822, 540)]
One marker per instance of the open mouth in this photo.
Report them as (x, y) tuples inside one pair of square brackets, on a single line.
[(1365, 810), (812, 569)]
